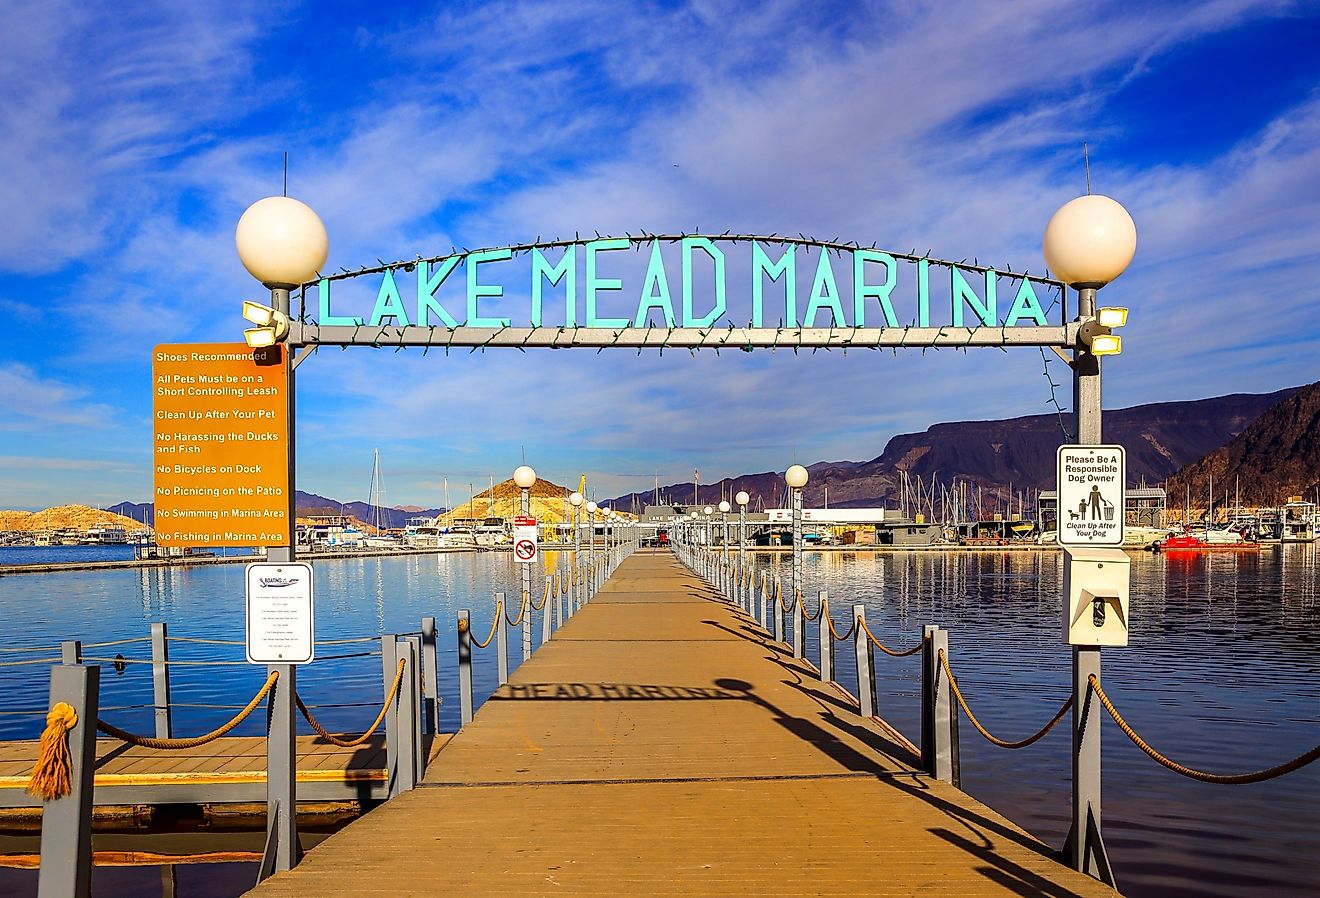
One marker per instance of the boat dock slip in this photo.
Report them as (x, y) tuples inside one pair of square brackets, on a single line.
[(662, 744)]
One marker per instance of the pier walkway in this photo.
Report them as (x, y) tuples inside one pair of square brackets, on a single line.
[(662, 744)]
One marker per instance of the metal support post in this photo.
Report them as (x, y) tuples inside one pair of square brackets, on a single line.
[(501, 641), (464, 668), (279, 301), (160, 679), (765, 588), (865, 655), (389, 667), (799, 625), (66, 823), (937, 744), (71, 651), (574, 600), (525, 578), (430, 676), (1085, 848), (797, 541), (282, 849), (826, 640)]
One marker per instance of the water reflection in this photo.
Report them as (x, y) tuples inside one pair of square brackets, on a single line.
[(1219, 673)]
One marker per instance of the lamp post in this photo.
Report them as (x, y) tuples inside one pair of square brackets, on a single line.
[(575, 500), (724, 545), (742, 499), (796, 478), (282, 243), (708, 511), (524, 477), (1089, 242)]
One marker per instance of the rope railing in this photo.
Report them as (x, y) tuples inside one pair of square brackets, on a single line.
[(893, 653), (522, 610), (802, 605), (351, 743), (30, 661), (194, 742), (545, 596), (102, 645), (833, 630), (198, 639), (1002, 743), (494, 625), (1234, 779), (171, 663)]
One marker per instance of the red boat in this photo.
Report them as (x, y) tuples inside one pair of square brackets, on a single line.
[(1215, 541)]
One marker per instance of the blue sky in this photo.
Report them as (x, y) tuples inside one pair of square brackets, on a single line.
[(132, 139)]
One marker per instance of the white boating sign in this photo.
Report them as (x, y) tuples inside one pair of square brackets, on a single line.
[(280, 619), (1091, 483), (525, 549)]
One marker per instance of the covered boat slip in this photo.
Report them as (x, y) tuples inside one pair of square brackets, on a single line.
[(662, 744)]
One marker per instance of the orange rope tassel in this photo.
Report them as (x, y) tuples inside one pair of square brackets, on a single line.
[(50, 776)]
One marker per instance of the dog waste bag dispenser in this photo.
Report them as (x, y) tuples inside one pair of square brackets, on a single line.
[(1095, 596)]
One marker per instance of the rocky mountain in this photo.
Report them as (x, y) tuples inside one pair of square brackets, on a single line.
[(1277, 456), (1161, 438)]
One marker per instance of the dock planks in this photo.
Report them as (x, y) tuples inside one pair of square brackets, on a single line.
[(661, 744)]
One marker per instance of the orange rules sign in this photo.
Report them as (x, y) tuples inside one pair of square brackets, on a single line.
[(221, 445)]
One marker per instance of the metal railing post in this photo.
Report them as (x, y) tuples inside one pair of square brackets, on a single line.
[(501, 640), (865, 654), (941, 752), (430, 676), (389, 666), (66, 823), (464, 668), (760, 616), (551, 583), (556, 583), (778, 609), (826, 640), (71, 651), (160, 679), (410, 736)]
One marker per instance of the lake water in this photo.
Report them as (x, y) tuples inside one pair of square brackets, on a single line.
[(1220, 674)]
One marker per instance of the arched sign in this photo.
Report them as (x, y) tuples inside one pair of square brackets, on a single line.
[(685, 291)]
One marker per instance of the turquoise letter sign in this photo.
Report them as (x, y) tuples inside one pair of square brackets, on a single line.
[(595, 284), (655, 291), (1025, 305), (861, 289), (963, 293), (566, 271), (824, 294), (786, 268), (388, 303), (323, 312), (476, 291), (426, 287), (717, 256)]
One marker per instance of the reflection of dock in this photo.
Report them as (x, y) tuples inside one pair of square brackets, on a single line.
[(225, 771), (662, 743)]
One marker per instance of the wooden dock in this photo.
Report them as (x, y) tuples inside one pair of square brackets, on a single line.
[(662, 744), (227, 770)]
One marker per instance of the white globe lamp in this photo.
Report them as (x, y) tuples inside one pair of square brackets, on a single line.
[(281, 242), (796, 476), (742, 498), (524, 476), (1089, 241)]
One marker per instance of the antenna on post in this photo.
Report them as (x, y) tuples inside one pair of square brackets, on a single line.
[(1086, 161), (286, 173)]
